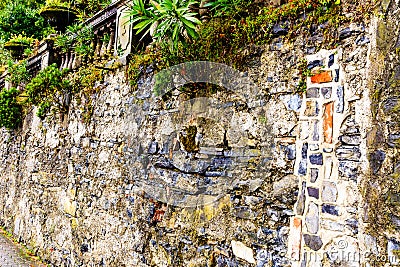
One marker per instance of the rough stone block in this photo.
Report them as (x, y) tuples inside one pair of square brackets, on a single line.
[(316, 159), (326, 92), (329, 192), (312, 109), (312, 92), (313, 192), (312, 241), (312, 218), (323, 77), (241, 251), (314, 175)]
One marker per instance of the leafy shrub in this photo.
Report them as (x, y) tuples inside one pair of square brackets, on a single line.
[(18, 18), (10, 109), (18, 73), (172, 21), (48, 90)]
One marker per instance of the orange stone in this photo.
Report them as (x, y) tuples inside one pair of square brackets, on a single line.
[(323, 77), (294, 242), (328, 122)]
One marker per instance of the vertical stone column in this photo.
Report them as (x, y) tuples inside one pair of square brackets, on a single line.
[(328, 161)]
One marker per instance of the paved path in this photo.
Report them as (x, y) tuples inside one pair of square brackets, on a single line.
[(11, 255)]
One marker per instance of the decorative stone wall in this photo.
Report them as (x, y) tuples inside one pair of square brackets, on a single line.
[(293, 164)]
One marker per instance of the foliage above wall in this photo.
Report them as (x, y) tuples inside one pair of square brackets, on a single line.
[(170, 22), (49, 90)]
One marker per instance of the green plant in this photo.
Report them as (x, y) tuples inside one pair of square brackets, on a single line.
[(226, 7), (21, 39), (21, 17), (18, 73), (172, 21), (10, 109), (77, 38), (48, 90)]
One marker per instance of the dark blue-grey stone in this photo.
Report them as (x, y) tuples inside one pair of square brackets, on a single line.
[(312, 241), (326, 92), (314, 175), (312, 92), (303, 167), (333, 210), (336, 75), (313, 192), (129, 213), (304, 151), (331, 60), (314, 63), (316, 159), (376, 160)]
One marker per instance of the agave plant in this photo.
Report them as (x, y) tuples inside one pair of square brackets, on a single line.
[(170, 20)]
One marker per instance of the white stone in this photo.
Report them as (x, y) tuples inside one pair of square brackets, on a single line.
[(242, 251)]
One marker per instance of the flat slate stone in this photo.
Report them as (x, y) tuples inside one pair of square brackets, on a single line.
[(352, 140), (314, 63)]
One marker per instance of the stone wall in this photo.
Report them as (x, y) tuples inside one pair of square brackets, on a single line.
[(261, 176)]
